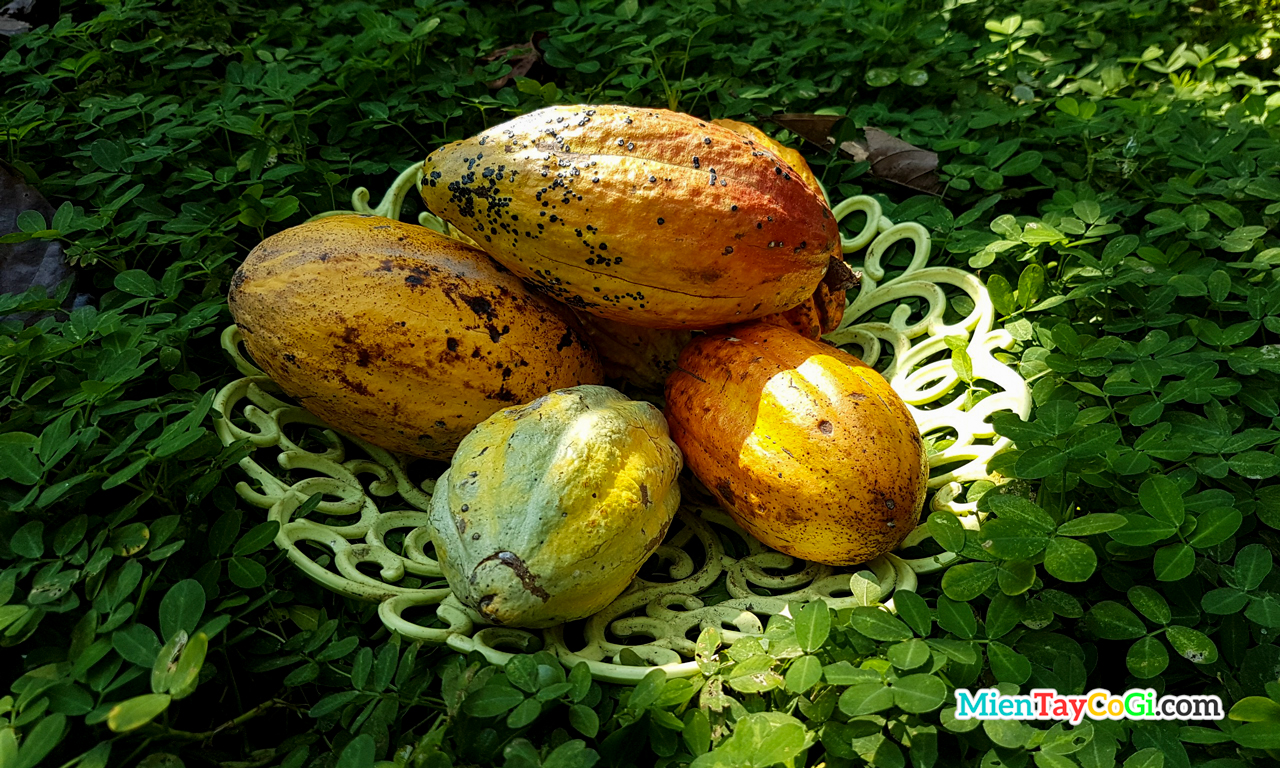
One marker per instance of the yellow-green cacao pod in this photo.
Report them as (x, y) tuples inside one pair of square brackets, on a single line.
[(549, 509)]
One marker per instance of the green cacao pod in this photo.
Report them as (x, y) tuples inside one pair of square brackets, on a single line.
[(549, 509)]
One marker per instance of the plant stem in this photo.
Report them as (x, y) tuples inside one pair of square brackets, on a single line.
[(235, 722)]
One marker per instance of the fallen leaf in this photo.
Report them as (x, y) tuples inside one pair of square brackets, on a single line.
[(815, 129), (21, 15), (18, 8), (891, 158), (32, 262), (10, 27), (522, 57), (895, 160)]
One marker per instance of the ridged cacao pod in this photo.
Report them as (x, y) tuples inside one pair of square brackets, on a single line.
[(806, 447), (643, 216), (643, 357), (549, 509), (790, 156), (398, 335), (820, 313)]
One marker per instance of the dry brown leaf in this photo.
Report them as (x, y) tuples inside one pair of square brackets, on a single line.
[(10, 27), (891, 158), (895, 160), (522, 58), (815, 129), (21, 15), (32, 262)]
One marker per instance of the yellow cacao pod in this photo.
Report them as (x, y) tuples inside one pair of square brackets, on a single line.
[(788, 155), (398, 335), (820, 313)]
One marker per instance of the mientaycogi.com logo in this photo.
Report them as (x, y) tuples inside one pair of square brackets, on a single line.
[(1098, 704)]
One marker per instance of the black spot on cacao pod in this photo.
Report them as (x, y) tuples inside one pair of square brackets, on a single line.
[(496, 335), (480, 305)]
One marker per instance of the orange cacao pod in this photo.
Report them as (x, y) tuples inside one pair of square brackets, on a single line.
[(806, 447), (643, 216)]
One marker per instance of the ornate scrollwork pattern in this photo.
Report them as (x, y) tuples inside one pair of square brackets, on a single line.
[(353, 516)]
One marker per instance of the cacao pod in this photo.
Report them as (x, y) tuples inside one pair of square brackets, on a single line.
[(820, 313), (398, 335), (643, 216), (806, 447), (549, 509), (643, 357), (788, 155)]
